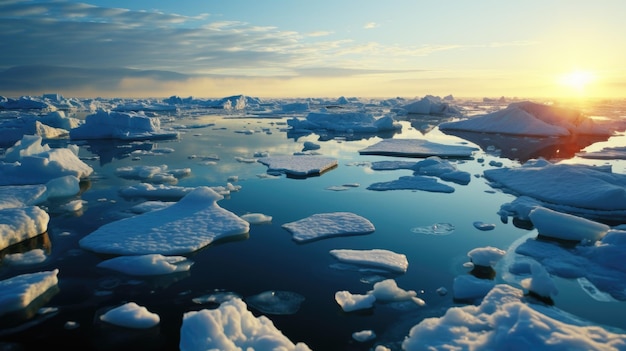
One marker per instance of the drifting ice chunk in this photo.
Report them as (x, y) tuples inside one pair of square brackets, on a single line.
[(564, 226), (352, 302), (518, 323), (376, 257), (131, 315), (29, 162), (417, 148), (21, 223), (18, 292), (323, 225), (121, 125), (529, 118), (232, 327), (167, 231)]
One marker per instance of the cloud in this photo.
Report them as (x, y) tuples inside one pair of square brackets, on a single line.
[(370, 25), (74, 34), (346, 72), (42, 78)]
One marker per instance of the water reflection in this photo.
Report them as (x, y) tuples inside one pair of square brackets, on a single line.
[(108, 150), (326, 135), (524, 148), (41, 241)]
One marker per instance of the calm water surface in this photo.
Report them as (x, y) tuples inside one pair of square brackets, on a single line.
[(268, 258)]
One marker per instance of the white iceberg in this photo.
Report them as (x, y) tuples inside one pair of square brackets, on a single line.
[(505, 319), (131, 315), (20, 223), (533, 119), (232, 327), (18, 292), (121, 125), (352, 122), (30, 162)]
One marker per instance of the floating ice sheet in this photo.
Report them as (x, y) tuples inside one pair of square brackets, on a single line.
[(380, 258), (167, 231), (417, 148), (323, 225)]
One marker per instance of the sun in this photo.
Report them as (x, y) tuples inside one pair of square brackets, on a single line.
[(577, 80)]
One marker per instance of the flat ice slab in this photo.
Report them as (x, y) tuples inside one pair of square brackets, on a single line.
[(323, 225), (380, 258), (417, 148), (192, 223), (18, 292)]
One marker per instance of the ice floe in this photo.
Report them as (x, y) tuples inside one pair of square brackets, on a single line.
[(378, 258), (131, 315), (166, 231), (417, 148), (504, 318), (322, 225), (232, 327), (531, 118)]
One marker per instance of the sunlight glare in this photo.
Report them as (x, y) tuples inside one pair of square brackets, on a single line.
[(577, 80)]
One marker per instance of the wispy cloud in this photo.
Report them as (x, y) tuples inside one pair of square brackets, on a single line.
[(370, 25), (77, 45)]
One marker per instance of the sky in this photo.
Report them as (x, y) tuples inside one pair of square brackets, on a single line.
[(281, 48)]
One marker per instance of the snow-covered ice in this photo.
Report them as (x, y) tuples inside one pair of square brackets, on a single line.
[(486, 256), (131, 315), (19, 291), (384, 291), (417, 148), (232, 327), (352, 122), (531, 118), (322, 225), (506, 318), (350, 302), (379, 258), (29, 161), (20, 223), (564, 226), (121, 125), (593, 191), (256, 218), (560, 200), (166, 231)]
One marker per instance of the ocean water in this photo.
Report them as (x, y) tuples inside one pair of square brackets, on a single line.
[(268, 259)]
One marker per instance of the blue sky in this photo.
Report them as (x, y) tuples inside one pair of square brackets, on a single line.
[(323, 48)]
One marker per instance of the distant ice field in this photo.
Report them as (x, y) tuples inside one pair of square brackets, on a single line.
[(221, 153)]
